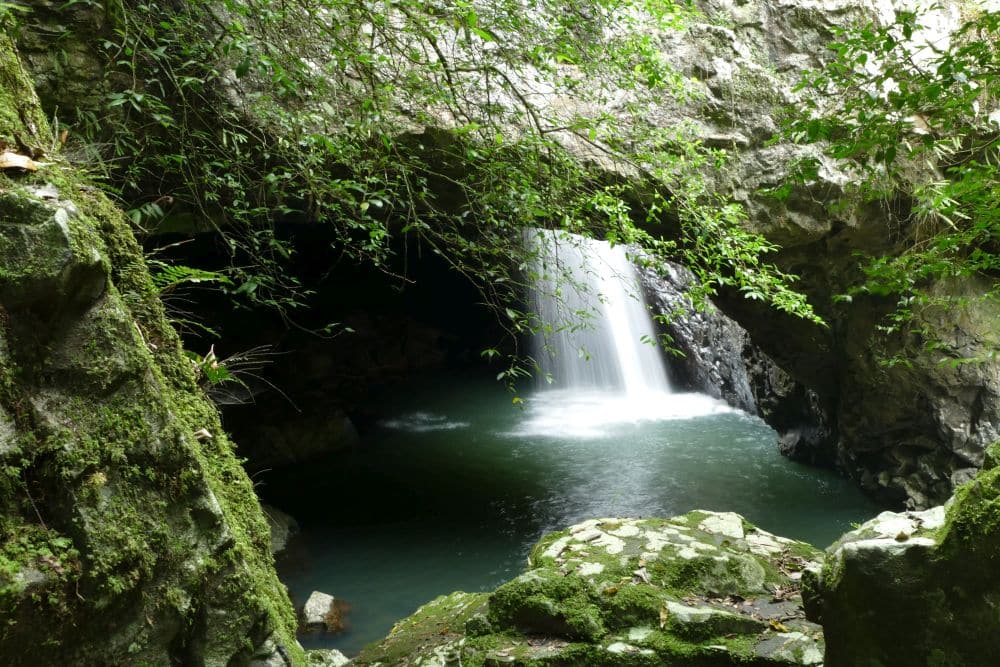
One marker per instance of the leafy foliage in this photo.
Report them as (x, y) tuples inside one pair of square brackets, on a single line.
[(454, 125), (914, 115)]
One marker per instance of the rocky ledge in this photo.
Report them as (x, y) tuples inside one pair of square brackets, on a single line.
[(915, 588), (704, 588)]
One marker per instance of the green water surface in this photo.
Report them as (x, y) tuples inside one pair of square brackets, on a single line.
[(453, 485)]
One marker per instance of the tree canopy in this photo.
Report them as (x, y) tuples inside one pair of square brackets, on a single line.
[(456, 125)]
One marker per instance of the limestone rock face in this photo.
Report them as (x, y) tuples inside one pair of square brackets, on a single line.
[(125, 537), (915, 588), (907, 431), (702, 588), (65, 77)]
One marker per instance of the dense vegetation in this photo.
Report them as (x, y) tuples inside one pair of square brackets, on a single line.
[(915, 116), (455, 127)]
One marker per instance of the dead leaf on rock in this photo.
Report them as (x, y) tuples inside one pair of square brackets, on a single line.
[(641, 575), (777, 626), (9, 160)]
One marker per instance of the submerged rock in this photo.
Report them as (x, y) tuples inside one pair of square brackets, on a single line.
[(702, 588)]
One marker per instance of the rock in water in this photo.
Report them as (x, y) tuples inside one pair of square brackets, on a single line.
[(324, 612), (702, 588)]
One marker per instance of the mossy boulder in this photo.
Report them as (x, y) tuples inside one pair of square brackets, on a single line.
[(704, 588), (129, 533), (915, 588)]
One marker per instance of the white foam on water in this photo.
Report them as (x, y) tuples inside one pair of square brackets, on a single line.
[(595, 414), (597, 351)]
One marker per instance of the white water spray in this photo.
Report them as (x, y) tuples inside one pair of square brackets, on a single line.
[(601, 335), (598, 347)]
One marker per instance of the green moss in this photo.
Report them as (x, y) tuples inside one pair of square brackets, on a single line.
[(438, 622), (21, 117), (633, 606), (870, 597), (156, 539), (973, 520), (547, 602)]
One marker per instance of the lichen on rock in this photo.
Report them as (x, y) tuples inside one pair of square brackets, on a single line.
[(704, 588)]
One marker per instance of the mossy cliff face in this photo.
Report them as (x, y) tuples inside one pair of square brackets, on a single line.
[(704, 588), (917, 588), (129, 533)]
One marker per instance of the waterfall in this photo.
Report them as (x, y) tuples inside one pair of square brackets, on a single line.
[(597, 344), (598, 334)]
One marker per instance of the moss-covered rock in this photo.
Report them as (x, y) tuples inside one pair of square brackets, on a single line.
[(700, 589), (916, 588), (129, 533)]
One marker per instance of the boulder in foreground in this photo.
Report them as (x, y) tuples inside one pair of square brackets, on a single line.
[(916, 588), (704, 588)]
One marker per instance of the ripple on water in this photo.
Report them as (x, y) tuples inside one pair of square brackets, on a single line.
[(422, 422)]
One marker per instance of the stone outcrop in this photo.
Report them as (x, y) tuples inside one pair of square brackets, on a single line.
[(915, 588), (282, 525), (129, 533), (908, 431), (703, 588), (715, 355)]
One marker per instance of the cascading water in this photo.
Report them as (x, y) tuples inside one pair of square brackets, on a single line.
[(600, 364), (601, 335)]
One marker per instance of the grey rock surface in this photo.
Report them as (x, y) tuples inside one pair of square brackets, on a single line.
[(903, 431), (695, 589)]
